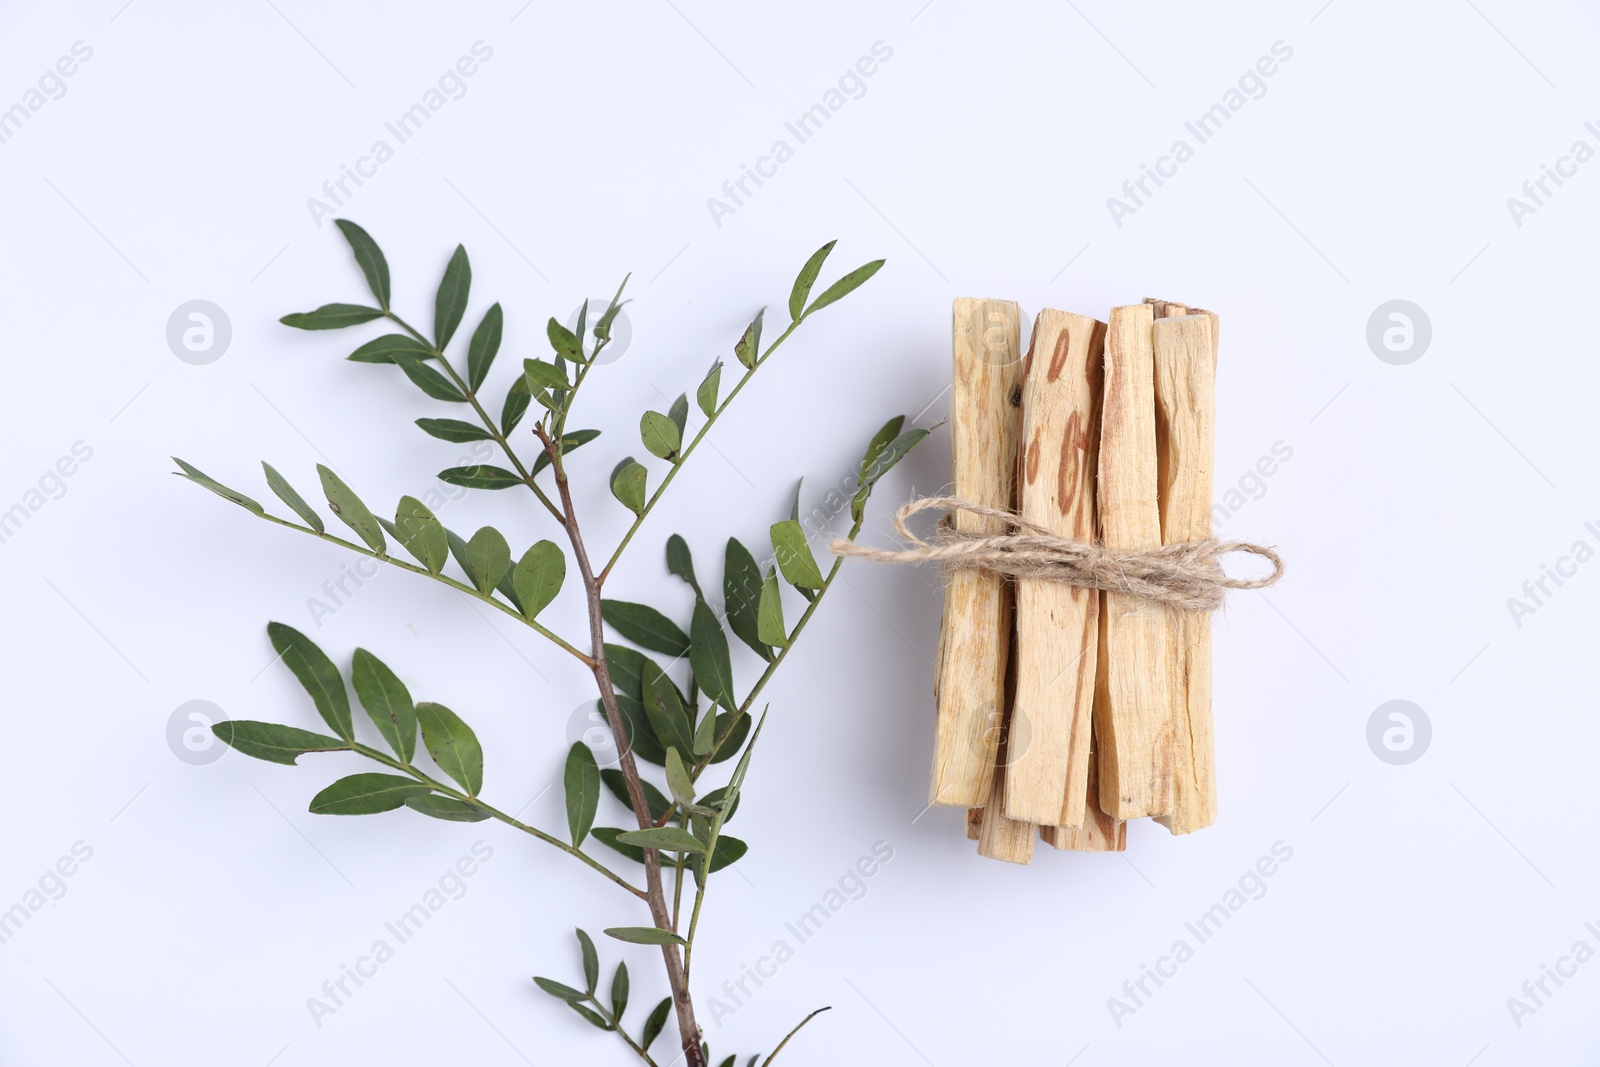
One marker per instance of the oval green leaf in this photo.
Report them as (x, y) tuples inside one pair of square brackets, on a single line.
[(454, 430), (366, 794), (741, 592), (480, 476), (645, 626), (487, 559), (331, 317), (272, 742), (369, 257), (450, 302), (795, 560), (447, 808), (316, 672), (628, 484), (708, 656), (387, 703), (421, 533), (286, 493), (538, 577), (453, 745), (665, 838), (485, 346), (582, 781), (806, 279), (351, 511), (660, 435)]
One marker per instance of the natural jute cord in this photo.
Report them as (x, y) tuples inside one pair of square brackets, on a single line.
[(1187, 575)]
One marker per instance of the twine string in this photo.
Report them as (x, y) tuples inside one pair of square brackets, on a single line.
[(1187, 575)]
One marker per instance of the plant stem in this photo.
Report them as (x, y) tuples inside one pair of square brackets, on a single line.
[(441, 578), (688, 1029), (455, 794), (483, 416), (791, 1034), (616, 1024), (684, 454)]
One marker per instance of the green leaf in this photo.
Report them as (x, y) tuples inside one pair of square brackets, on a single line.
[(366, 794), (881, 463), (450, 303), (480, 476), (663, 706), (733, 730), (517, 400), (602, 329), (582, 780), (660, 435), (421, 533), (569, 442), (728, 851), (626, 667), (845, 286), (645, 626), (559, 991), (351, 511), (369, 257), (454, 430), (644, 935), (806, 279), (317, 673), (708, 656), (387, 703), (619, 992), (794, 504), (706, 395), (429, 380), (194, 474), (608, 836), (628, 484), (657, 803), (564, 341), (741, 592), (590, 1016), (678, 779), (331, 317), (769, 619), (271, 742), (591, 961), (286, 493), (679, 413), (665, 838), (748, 348), (680, 561), (736, 780), (488, 558), (655, 1023), (389, 347), (880, 440), (795, 560), (447, 808), (485, 345), (705, 734), (538, 577), (453, 745), (642, 739), (542, 375)]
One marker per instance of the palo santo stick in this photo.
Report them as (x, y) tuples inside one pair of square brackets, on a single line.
[(975, 636), (974, 823), (1099, 832), (1000, 838), (1057, 625), (1185, 378), (1132, 710)]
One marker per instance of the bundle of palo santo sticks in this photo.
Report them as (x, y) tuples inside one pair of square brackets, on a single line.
[(1065, 711)]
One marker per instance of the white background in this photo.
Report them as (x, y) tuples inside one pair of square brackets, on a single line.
[(177, 166)]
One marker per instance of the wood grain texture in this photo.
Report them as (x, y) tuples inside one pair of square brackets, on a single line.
[(974, 823), (1057, 625), (1132, 708), (1185, 379), (975, 637), (1099, 832), (1000, 838)]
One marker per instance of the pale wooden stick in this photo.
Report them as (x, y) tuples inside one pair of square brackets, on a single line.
[(1099, 832), (1000, 838), (1057, 624), (1185, 376), (975, 636), (1132, 710)]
